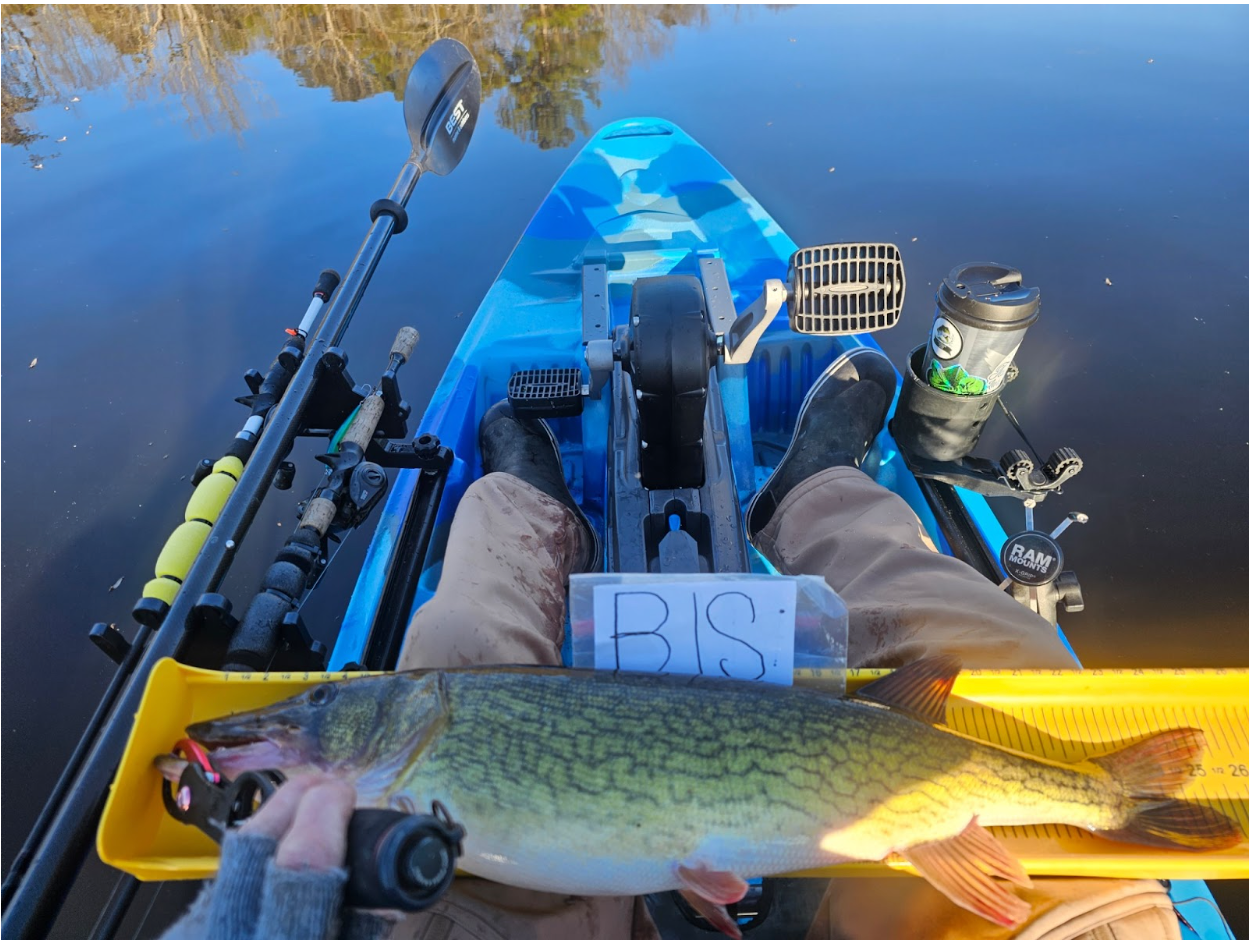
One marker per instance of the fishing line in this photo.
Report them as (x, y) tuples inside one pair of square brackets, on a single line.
[(1211, 903), (1013, 421), (333, 447), (143, 921)]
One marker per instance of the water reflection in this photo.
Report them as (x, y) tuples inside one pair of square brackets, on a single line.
[(544, 63)]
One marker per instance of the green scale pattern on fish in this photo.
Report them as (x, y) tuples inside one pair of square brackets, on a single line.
[(600, 783), (731, 774)]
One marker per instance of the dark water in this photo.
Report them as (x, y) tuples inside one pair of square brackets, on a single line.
[(175, 177)]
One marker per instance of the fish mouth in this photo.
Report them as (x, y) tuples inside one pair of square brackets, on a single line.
[(239, 743)]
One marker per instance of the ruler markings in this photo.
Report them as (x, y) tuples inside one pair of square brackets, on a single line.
[(1061, 731), (1080, 715), (1232, 739), (1058, 738), (1221, 742), (1015, 733), (1039, 723), (1181, 722), (1030, 734), (1001, 725), (1120, 726), (957, 720), (1105, 735), (1071, 728), (980, 725)]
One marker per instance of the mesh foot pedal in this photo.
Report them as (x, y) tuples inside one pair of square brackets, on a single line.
[(845, 288), (546, 393)]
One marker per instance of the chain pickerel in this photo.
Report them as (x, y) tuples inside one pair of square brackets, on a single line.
[(600, 783)]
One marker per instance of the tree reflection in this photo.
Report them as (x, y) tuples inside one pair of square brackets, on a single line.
[(544, 63)]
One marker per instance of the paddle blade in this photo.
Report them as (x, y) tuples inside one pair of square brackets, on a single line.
[(441, 100)]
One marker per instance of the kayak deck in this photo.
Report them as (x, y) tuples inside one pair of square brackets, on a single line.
[(647, 200)]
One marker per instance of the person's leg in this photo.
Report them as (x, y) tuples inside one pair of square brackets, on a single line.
[(501, 595), (819, 514), (905, 600), (515, 539)]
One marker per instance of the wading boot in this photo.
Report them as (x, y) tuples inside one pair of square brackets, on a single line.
[(838, 421), (526, 449)]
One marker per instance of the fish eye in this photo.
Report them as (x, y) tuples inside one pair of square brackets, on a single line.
[(322, 694)]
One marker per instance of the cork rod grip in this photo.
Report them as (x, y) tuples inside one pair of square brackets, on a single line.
[(363, 425), (406, 339)]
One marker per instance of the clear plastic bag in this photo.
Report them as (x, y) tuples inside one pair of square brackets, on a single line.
[(726, 616)]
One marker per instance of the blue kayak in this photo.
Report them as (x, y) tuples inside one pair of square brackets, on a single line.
[(643, 199), (646, 200)]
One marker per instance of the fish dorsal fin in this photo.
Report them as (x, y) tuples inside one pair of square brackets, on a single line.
[(965, 867), (920, 689)]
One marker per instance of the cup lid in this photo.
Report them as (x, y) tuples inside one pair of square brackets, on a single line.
[(985, 290)]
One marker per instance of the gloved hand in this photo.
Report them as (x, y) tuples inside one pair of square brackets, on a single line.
[(281, 875)]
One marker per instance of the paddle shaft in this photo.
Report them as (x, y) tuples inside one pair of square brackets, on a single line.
[(58, 856)]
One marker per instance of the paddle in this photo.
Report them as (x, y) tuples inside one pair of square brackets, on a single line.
[(441, 102)]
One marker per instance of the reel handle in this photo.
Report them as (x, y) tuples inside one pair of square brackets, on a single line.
[(400, 861)]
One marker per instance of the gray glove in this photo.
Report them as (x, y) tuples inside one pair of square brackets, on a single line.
[(280, 876)]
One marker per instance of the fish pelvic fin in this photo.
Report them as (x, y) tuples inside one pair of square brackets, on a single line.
[(919, 689), (965, 868), (709, 892), (716, 914), (720, 887)]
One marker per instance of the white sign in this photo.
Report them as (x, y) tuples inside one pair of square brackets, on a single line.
[(741, 629)]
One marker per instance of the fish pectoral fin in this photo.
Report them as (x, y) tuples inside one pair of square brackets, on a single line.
[(716, 914), (919, 689), (965, 867), (720, 887)]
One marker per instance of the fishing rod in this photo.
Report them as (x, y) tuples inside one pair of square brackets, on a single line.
[(441, 103), (214, 481), (352, 486)]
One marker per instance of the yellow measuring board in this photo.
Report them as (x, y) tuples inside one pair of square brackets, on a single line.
[(1072, 715), (1063, 715)]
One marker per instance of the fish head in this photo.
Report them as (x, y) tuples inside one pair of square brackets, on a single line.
[(351, 728)]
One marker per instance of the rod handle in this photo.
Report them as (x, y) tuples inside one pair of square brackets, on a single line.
[(318, 515), (361, 431), (406, 339), (327, 281)]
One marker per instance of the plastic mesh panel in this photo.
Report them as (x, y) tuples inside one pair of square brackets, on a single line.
[(846, 288), (546, 392)]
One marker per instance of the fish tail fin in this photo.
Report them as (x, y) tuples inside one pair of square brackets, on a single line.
[(1149, 773), (1156, 767), (1177, 824)]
